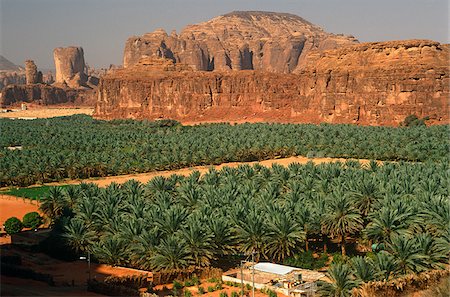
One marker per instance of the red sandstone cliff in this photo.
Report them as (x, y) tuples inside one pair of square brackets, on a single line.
[(250, 40), (369, 84)]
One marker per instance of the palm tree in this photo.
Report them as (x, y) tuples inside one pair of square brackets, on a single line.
[(111, 249), (53, 204), (384, 265), (198, 243), (78, 236), (341, 219), (252, 233), (284, 235), (365, 195), (434, 253), (171, 255), (342, 282), (406, 255), (363, 269), (387, 222), (223, 239)]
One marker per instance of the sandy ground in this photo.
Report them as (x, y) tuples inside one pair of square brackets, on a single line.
[(145, 177), (11, 206), (13, 286), (46, 112)]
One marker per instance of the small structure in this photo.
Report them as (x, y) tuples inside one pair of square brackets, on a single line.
[(289, 281)]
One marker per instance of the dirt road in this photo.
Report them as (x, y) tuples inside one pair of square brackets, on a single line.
[(145, 177)]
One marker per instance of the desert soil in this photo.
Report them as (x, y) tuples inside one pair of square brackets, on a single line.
[(15, 206), (38, 112), (145, 177)]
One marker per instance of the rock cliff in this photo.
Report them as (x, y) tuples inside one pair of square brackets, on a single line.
[(70, 66), (44, 95), (251, 40), (368, 84)]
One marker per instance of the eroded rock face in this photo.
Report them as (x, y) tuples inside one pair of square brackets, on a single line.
[(253, 40), (11, 77), (369, 84), (45, 95), (70, 66), (33, 76)]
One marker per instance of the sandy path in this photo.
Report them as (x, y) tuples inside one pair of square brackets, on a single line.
[(15, 206), (145, 177), (46, 112)]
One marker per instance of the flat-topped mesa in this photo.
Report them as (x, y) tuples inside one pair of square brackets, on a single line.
[(246, 40), (368, 84), (70, 66)]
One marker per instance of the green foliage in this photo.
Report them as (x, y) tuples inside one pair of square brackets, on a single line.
[(13, 225), (177, 285), (234, 294), (82, 147), (182, 223), (211, 288), (201, 290), (187, 293), (223, 294), (33, 193), (342, 281), (306, 260), (195, 280), (413, 121), (32, 220)]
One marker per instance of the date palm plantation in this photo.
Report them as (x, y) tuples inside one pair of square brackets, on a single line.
[(188, 223), (231, 213)]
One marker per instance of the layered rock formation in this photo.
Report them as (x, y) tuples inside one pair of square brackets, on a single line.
[(11, 77), (70, 66), (44, 95), (72, 85), (252, 40), (369, 84)]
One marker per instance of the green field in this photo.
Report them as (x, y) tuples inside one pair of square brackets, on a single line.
[(33, 193)]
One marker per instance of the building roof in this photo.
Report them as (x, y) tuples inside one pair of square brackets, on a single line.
[(274, 268)]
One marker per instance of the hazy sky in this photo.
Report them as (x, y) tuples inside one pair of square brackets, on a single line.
[(33, 28)]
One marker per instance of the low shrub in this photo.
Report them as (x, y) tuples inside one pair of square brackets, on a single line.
[(32, 220), (201, 290), (234, 294), (187, 293), (195, 280), (306, 260), (13, 225), (223, 294), (211, 289), (177, 285)]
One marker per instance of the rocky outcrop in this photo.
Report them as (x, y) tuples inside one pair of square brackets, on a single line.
[(45, 95), (70, 66), (11, 77), (368, 84), (251, 40), (33, 76), (7, 65)]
